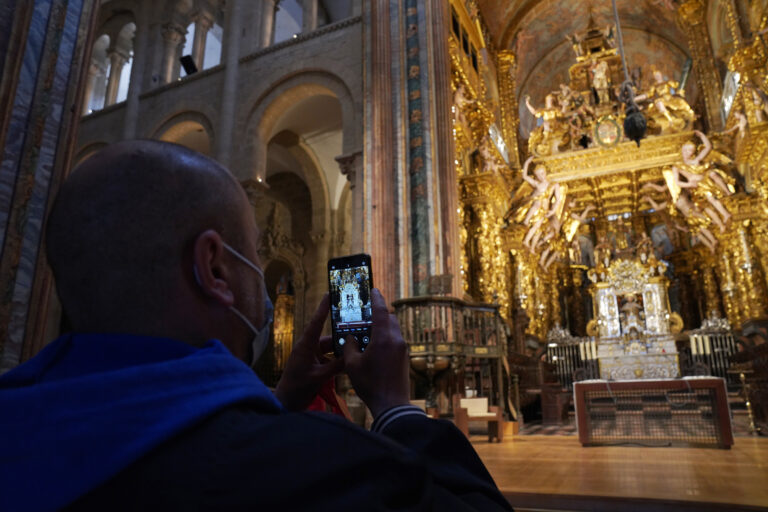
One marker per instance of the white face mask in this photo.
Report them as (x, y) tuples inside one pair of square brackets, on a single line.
[(260, 336)]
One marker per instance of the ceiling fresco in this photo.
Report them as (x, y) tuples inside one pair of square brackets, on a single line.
[(644, 50), (536, 31)]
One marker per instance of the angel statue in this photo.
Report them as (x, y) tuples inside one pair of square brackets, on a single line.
[(740, 125), (759, 105), (545, 201), (698, 222), (572, 224), (550, 136), (668, 111)]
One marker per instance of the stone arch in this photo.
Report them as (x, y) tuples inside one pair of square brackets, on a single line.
[(185, 123), (85, 152), (261, 119)]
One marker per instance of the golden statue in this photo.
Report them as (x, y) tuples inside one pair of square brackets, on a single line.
[(668, 111), (551, 136)]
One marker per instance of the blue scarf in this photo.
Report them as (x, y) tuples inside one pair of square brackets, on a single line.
[(89, 405)]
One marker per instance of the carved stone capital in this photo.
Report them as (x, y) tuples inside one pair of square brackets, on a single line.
[(173, 32), (349, 164), (507, 58)]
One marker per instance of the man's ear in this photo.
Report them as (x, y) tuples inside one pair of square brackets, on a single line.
[(211, 273)]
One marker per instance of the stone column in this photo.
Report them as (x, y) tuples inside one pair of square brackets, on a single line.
[(351, 165), (507, 68), (90, 84), (140, 59), (173, 38), (268, 9), (117, 60), (37, 145), (202, 26), (309, 15), (229, 88), (692, 15), (379, 190)]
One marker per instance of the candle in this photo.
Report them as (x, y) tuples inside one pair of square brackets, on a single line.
[(693, 344)]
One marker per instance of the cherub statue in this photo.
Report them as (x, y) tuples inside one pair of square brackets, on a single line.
[(741, 125), (490, 163), (555, 198), (668, 111), (548, 138), (461, 100), (759, 105), (575, 44), (572, 224), (694, 217)]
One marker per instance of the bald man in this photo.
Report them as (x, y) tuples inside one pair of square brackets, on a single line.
[(150, 402)]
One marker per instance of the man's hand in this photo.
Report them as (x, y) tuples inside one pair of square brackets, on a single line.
[(380, 374), (307, 367)]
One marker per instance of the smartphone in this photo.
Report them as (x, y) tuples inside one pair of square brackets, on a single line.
[(349, 286)]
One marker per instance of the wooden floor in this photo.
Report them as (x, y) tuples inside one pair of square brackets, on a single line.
[(557, 473)]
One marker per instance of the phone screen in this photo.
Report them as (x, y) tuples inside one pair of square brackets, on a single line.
[(349, 284)]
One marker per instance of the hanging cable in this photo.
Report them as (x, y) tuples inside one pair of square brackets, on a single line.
[(634, 122)]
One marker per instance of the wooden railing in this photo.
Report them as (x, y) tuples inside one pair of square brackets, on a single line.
[(467, 337)]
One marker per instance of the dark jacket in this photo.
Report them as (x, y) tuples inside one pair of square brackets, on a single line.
[(118, 422)]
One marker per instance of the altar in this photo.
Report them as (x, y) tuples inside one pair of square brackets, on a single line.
[(633, 325)]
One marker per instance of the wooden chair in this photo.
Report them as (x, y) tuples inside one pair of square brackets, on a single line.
[(477, 409), (422, 404)]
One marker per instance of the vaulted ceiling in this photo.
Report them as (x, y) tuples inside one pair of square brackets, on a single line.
[(536, 31)]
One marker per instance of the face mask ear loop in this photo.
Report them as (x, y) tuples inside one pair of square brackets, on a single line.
[(244, 319), (243, 259)]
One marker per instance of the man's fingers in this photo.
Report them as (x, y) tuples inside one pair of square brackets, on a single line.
[(315, 327), (379, 307), (351, 349), (325, 345)]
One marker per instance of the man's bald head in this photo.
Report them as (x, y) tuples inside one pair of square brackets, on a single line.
[(124, 220)]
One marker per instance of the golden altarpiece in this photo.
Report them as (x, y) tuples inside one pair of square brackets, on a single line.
[(581, 235)]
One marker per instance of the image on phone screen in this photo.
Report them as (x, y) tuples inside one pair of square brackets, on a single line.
[(350, 294)]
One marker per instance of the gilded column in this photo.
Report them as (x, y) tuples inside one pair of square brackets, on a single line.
[(693, 20), (752, 283), (728, 288), (711, 297), (507, 68)]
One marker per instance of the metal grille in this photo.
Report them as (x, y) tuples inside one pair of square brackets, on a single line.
[(652, 417)]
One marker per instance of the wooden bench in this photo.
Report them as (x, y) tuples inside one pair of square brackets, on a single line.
[(477, 409)]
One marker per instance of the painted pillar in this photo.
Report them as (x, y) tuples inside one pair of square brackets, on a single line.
[(448, 217), (173, 38), (229, 90), (37, 138), (692, 15), (379, 177)]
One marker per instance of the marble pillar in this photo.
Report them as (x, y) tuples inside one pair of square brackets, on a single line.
[(140, 59), (37, 148), (90, 86)]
